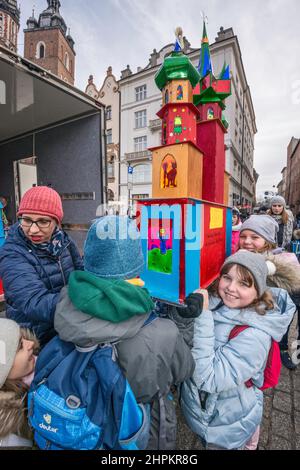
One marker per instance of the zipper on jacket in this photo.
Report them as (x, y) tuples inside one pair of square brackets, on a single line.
[(62, 272)]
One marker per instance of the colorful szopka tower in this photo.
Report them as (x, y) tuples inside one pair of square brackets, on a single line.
[(177, 164), (186, 232), (209, 98)]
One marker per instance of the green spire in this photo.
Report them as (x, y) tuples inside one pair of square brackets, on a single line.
[(204, 66)]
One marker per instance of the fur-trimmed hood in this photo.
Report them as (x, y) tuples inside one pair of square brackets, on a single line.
[(296, 234), (13, 415), (287, 274)]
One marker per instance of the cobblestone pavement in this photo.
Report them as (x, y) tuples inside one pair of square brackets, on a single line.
[(280, 429)]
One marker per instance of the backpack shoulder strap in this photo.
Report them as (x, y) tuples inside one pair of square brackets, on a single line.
[(236, 330)]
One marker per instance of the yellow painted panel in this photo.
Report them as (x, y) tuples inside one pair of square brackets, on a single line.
[(216, 218)]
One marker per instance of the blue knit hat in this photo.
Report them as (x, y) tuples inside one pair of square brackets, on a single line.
[(113, 248)]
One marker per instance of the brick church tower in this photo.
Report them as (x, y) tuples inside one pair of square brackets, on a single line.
[(48, 45), (9, 24)]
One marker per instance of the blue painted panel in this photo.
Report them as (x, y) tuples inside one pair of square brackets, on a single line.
[(193, 238), (2, 239), (160, 285), (228, 231)]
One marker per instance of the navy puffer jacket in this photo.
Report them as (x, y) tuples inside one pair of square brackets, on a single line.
[(33, 279)]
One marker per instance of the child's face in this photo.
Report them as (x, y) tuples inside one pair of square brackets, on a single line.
[(250, 241), (235, 219), (24, 361), (235, 292), (277, 209)]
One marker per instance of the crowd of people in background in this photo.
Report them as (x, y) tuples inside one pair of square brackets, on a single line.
[(62, 309)]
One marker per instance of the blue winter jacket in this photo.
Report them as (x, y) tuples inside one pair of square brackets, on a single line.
[(33, 279), (215, 402)]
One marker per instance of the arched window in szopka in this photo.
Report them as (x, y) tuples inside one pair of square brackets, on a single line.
[(179, 93), (210, 113), (168, 172)]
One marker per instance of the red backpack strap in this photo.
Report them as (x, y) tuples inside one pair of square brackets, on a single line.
[(235, 332)]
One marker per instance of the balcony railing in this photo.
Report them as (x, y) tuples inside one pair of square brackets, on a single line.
[(135, 156), (155, 124)]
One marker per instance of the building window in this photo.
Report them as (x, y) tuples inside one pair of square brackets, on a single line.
[(142, 174), (140, 196), (111, 170), (41, 50), (2, 92), (1, 24), (140, 119), (140, 143), (67, 61), (108, 113), (109, 136), (141, 93)]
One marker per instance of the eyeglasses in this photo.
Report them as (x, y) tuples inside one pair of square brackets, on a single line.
[(41, 224)]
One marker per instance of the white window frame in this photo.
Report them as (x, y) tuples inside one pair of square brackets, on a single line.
[(140, 143), (140, 119), (108, 113), (141, 93), (109, 139), (142, 176)]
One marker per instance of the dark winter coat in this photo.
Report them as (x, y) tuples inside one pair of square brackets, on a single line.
[(33, 279)]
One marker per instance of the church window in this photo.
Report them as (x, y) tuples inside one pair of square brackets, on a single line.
[(40, 50), (67, 61)]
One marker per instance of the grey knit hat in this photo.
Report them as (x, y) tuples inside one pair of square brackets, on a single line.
[(9, 342), (255, 263), (278, 200), (264, 225)]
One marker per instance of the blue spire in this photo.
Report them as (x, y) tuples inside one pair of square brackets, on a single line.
[(225, 74), (204, 66)]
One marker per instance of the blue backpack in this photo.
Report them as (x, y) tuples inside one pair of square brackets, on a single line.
[(81, 400)]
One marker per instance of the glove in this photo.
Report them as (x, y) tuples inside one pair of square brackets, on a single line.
[(194, 306)]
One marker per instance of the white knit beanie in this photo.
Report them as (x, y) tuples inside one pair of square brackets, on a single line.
[(9, 342)]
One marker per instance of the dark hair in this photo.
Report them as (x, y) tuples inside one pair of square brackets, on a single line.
[(262, 304)]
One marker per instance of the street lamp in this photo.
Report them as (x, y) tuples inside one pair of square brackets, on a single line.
[(129, 185)]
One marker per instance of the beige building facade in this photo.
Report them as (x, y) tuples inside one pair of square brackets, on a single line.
[(109, 95)]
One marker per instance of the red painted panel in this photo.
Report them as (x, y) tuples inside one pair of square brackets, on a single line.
[(210, 138), (213, 251)]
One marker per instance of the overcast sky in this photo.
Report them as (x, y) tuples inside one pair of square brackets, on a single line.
[(121, 32)]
